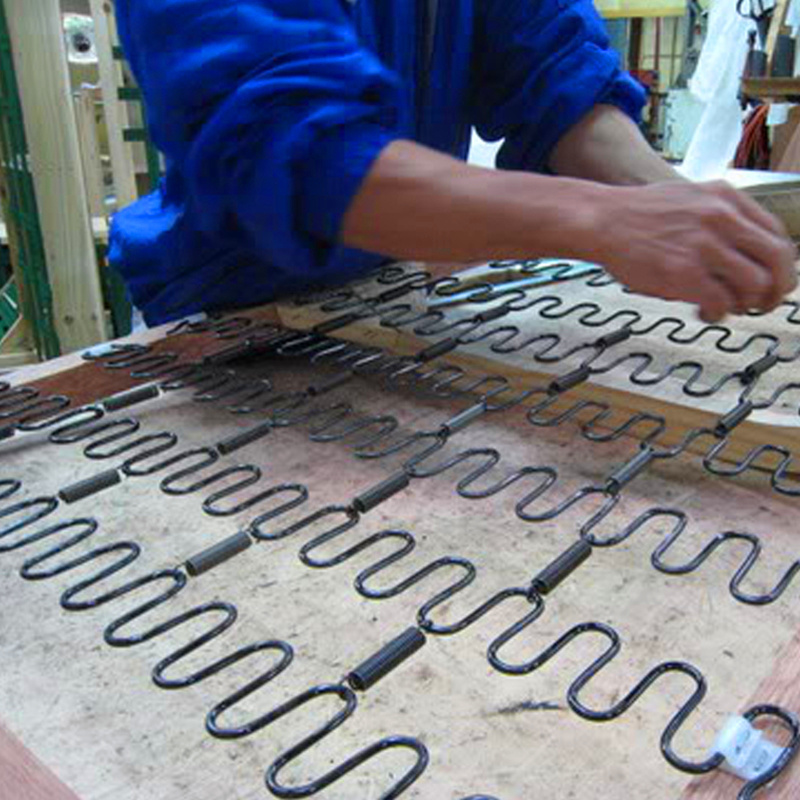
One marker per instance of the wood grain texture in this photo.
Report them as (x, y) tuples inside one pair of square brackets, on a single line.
[(85, 104), (40, 61), (23, 777)]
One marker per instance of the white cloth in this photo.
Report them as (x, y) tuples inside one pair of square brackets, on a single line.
[(716, 83)]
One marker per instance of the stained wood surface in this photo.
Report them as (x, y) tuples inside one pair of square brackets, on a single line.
[(23, 777)]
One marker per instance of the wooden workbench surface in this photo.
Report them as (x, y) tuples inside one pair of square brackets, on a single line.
[(94, 717), (92, 714)]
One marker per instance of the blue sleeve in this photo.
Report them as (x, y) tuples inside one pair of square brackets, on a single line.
[(542, 66), (270, 110)]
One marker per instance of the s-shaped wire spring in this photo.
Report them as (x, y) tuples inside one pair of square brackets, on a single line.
[(430, 322), (327, 430), (330, 428), (375, 497), (544, 582), (222, 616)]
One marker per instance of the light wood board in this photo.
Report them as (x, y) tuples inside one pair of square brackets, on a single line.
[(40, 61)]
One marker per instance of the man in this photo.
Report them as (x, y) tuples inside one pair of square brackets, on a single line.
[(308, 140)]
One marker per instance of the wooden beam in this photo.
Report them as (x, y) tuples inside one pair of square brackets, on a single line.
[(24, 777), (624, 9), (115, 110), (780, 89), (775, 27), (99, 229), (40, 60)]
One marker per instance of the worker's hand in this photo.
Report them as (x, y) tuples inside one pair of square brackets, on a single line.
[(701, 243)]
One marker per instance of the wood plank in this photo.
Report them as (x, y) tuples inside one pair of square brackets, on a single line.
[(779, 13), (85, 104), (112, 734), (24, 777), (40, 60), (771, 88), (625, 9), (680, 413), (781, 687), (16, 347), (116, 111), (99, 229)]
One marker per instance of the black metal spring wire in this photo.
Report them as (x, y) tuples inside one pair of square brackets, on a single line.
[(127, 553), (140, 359), (222, 616), (590, 314), (340, 422)]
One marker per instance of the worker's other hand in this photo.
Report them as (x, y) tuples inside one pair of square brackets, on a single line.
[(707, 244)]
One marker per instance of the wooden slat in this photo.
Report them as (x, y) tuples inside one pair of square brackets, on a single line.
[(625, 9), (775, 27), (85, 111), (620, 394), (116, 112), (23, 777), (771, 88), (40, 60), (99, 229)]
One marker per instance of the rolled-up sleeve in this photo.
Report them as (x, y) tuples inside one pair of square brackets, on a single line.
[(273, 113), (541, 66)]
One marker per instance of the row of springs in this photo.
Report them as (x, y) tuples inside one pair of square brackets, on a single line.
[(371, 438), (75, 532), (80, 425), (387, 310), (226, 387)]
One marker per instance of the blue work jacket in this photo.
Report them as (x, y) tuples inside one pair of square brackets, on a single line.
[(270, 113)]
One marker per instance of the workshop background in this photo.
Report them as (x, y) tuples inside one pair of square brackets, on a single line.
[(75, 145), (580, 501)]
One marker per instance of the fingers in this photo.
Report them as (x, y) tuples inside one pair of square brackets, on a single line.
[(767, 272), (748, 280), (714, 298), (749, 208)]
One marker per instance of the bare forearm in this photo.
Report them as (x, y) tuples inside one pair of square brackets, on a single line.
[(705, 244), (606, 146), (420, 204)]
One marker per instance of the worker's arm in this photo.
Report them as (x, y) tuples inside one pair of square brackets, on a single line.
[(607, 146), (705, 244)]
